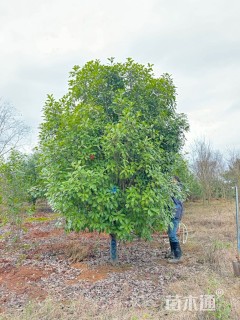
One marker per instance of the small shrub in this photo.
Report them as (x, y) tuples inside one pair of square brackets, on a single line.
[(77, 252), (218, 256), (223, 308)]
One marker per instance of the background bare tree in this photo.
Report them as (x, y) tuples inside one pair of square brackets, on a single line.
[(233, 171), (207, 165), (12, 128)]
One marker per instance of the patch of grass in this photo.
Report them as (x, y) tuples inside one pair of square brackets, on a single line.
[(77, 252), (74, 310), (38, 219), (218, 256), (218, 245), (3, 221), (5, 235), (22, 257), (223, 308)]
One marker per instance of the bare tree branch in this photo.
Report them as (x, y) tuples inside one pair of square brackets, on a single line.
[(207, 165), (12, 128)]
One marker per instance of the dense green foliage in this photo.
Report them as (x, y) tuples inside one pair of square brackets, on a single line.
[(13, 185), (32, 169), (19, 182), (110, 147)]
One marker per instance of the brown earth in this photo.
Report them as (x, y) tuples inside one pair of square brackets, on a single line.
[(45, 261)]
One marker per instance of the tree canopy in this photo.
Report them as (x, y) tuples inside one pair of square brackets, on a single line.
[(110, 147)]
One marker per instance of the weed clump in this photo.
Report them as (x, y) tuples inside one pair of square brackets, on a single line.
[(77, 252)]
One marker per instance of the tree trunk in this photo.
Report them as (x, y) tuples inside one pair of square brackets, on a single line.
[(113, 248)]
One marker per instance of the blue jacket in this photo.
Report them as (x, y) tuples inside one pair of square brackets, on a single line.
[(178, 211)]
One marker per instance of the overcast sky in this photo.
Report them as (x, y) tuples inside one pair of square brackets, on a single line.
[(196, 41)]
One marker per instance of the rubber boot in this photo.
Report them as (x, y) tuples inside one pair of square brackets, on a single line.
[(177, 253), (170, 254)]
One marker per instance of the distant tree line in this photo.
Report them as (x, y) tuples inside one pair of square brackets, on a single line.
[(20, 179), (213, 175)]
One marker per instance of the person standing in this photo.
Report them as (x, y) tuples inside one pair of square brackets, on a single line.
[(175, 255)]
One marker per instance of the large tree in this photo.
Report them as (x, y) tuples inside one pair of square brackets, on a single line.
[(109, 149)]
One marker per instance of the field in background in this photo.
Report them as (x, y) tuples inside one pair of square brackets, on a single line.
[(47, 274)]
